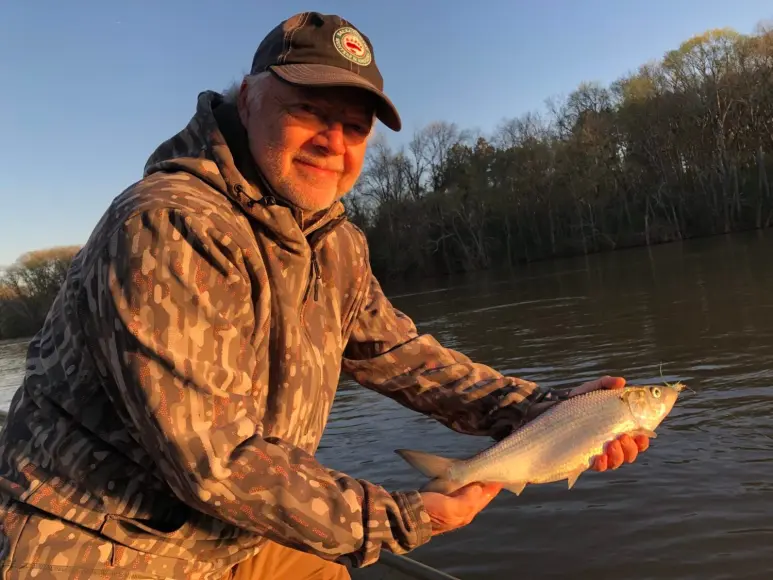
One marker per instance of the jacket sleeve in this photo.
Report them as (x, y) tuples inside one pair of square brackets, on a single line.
[(386, 354), (177, 319)]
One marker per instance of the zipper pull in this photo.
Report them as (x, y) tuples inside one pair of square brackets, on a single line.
[(317, 276), (268, 200)]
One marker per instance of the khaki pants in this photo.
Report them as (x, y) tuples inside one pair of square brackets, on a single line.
[(275, 562)]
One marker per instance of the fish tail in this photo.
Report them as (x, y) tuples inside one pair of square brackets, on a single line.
[(439, 470), (428, 464), (433, 466)]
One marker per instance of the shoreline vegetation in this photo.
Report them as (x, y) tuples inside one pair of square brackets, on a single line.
[(28, 288), (681, 148)]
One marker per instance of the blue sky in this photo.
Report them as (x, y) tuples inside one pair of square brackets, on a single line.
[(89, 88)]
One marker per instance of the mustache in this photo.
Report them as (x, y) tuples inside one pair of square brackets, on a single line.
[(321, 163)]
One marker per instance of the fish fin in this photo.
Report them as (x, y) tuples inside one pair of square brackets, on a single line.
[(430, 465), (571, 479), (642, 431), (516, 488)]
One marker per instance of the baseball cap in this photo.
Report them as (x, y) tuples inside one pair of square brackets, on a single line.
[(324, 50)]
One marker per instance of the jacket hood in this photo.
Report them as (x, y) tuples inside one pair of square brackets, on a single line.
[(214, 148)]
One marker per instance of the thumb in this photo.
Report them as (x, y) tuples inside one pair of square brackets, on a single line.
[(476, 496), (491, 489), (605, 382), (471, 491), (612, 382)]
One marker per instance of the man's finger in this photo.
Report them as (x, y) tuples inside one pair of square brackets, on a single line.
[(614, 455), (612, 382), (491, 489), (630, 449), (488, 494), (473, 498), (642, 442), (469, 492), (481, 499), (600, 463), (605, 382)]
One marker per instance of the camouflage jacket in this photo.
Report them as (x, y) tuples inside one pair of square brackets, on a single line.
[(174, 400)]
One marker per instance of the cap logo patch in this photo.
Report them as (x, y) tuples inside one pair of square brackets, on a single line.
[(352, 46)]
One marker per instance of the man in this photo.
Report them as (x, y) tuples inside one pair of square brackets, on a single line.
[(174, 400)]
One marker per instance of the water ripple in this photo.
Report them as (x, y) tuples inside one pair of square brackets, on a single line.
[(694, 506)]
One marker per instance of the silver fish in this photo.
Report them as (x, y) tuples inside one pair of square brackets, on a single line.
[(559, 444)]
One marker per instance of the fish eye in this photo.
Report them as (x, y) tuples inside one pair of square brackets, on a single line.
[(655, 392)]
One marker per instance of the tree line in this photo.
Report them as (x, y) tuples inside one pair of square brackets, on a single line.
[(28, 288), (681, 148)]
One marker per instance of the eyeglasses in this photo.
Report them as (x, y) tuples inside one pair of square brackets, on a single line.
[(313, 117)]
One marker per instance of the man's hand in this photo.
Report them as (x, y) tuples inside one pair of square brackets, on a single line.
[(624, 449), (449, 512)]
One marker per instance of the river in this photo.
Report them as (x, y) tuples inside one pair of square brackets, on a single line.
[(692, 506)]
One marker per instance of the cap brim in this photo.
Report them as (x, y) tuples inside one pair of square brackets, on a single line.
[(322, 75)]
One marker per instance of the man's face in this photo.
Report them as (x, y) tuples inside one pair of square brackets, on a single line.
[(309, 143)]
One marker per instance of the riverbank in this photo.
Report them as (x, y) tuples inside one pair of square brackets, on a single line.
[(399, 286)]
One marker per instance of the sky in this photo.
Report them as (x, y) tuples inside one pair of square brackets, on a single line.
[(89, 88)]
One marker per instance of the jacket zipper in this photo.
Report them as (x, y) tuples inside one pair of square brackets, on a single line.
[(312, 282), (315, 275), (315, 269), (314, 272)]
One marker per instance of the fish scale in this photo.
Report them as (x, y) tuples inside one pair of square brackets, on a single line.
[(588, 422), (559, 444)]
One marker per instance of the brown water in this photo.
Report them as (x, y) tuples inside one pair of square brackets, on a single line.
[(693, 506)]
